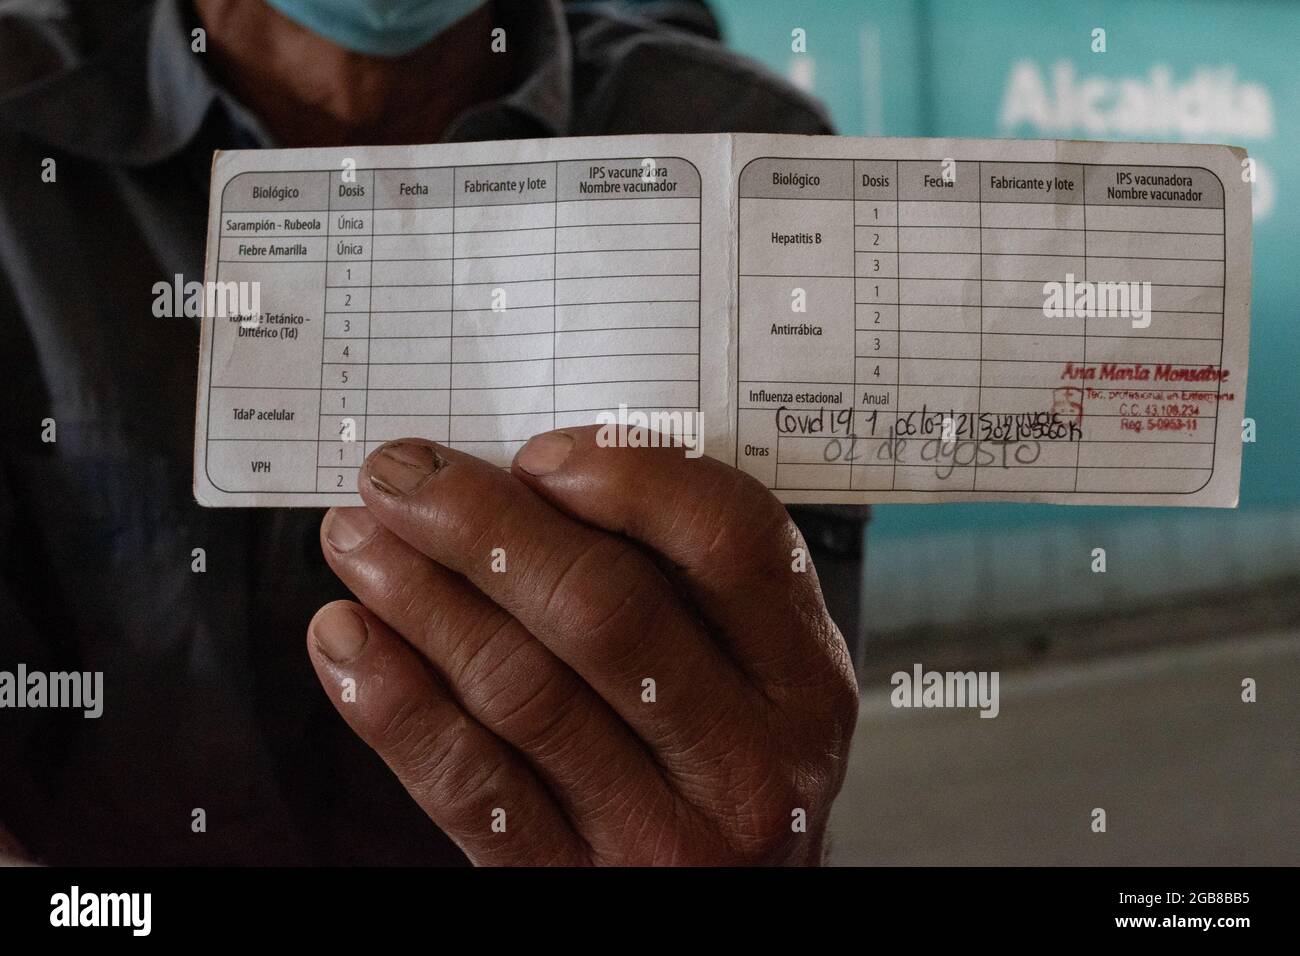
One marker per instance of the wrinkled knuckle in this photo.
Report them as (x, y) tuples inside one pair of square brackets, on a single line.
[(744, 518), (705, 730), (406, 595), (765, 824), (480, 650), (443, 771), (846, 699), (467, 786), (567, 591), (616, 616), (754, 794), (409, 741), (436, 766), (839, 692), (530, 713)]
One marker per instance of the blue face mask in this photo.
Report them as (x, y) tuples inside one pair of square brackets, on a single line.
[(377, 27)]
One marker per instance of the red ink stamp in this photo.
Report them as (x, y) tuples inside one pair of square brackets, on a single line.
[(1068, 403)]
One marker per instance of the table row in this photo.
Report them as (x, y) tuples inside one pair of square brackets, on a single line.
[(461, 186), (284, 414), (1004, 390), (796, 294), (977, 181), (279, 465), (349, 271)]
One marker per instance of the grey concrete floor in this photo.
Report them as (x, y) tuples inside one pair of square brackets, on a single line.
[(1186, 772)]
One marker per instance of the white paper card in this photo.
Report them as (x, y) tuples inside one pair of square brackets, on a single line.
[(849, 320)]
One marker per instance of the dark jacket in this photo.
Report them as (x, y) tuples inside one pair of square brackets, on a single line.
[(210, 702)]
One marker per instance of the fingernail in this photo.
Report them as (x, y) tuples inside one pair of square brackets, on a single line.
[(544, 453), (339, 633), (401, 467), (348, 528)]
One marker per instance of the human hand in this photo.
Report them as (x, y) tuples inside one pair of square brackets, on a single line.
[(511, 623)]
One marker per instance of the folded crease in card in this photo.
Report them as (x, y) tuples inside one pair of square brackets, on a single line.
[(847, 320)]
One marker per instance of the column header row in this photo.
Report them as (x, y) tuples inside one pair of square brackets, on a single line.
[(977, 181), (318, 191)]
